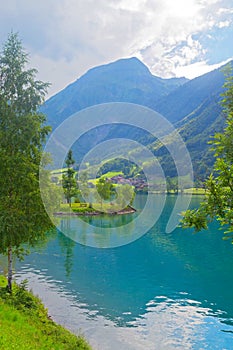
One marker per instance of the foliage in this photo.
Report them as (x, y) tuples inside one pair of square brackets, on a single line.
[(194, 190), (20, 298), (84, 190), (25, 323), (193, 107), (22, 133), (77, 207), (172, 185), (17, 85), (105, 189), (118, 166), (219, 198), (125, 195), (68, 179), (111, 174)]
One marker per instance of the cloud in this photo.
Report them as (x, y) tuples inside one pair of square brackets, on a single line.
[(224, 24), (196, 69), (179, 44), (67, 37)]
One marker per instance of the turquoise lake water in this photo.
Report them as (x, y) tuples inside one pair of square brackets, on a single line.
[(162, 291)]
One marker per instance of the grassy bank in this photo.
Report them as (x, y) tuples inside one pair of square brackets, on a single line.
[(25, 325), (97, 209), (195, 190)]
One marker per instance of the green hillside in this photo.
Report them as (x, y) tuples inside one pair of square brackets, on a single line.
[(25, 325), (192, 106)]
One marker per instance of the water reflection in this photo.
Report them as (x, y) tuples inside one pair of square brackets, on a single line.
[(105, 231), (166, 324), (169, 290), (67, 250)]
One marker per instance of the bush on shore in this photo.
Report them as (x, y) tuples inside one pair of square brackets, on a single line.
[(25, 324)]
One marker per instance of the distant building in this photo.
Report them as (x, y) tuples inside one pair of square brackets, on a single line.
[(139, 183)]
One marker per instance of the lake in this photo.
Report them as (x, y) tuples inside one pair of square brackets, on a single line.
[(162, 291)]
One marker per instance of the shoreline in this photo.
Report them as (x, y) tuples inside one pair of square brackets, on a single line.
[(25, 315), (130, 210)]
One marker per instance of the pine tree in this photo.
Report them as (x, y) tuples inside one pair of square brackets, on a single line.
[(68, 179)]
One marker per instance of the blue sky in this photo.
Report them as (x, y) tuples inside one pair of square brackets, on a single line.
[(65, 38)]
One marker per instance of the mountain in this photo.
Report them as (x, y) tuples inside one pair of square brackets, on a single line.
[(189, 97), (191, 105), (194, 108), (126, 80), (197, 130)]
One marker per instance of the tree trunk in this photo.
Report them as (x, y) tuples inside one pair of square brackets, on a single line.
[(9, 285)]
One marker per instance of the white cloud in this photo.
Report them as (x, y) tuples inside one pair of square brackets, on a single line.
[(67, 37), (223, 24), (196, 69), (176, 49), (224, 10)]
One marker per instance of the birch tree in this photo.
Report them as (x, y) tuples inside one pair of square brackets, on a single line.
[(22, 133)]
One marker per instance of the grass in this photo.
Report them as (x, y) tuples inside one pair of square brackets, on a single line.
[(76, 207), (195, 190), (105, 207), (58, 171), (25, 325), (111, 174), (108, 175)]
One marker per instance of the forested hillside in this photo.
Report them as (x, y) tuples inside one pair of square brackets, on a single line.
[(191, 105)]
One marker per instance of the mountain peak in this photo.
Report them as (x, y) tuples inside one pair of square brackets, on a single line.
[(125, 80), (124, 66), (132, 62)]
